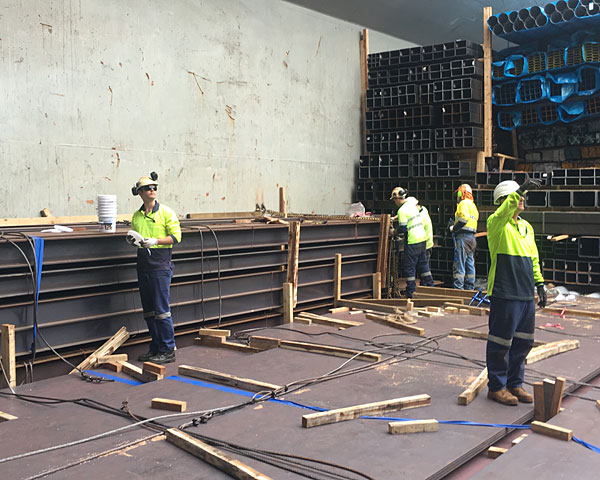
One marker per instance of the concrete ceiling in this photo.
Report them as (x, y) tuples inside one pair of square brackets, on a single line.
[(423, 22)]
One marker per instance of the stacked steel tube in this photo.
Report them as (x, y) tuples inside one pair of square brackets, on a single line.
[(535, 23), (423, 104)]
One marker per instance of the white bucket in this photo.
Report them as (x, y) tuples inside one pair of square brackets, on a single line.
[(107, 213)]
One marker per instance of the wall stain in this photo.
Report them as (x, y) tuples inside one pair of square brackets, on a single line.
[(197, 83), (318, 45), (111, 95), (118, 160)]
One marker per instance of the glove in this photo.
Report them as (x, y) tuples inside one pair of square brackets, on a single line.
[(542, 295), (149, 242), (451, 228), (134, 238), (529, 184)]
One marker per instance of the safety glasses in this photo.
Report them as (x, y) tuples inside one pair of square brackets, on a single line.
[(148, 188)]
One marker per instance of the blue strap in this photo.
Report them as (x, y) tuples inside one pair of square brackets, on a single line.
[(586, 444), (39, 260)]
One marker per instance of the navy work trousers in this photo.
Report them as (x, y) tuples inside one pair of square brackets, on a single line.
[(415, 261), (512, 326), (154, 291)]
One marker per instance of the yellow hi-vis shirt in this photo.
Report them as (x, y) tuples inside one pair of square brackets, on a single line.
[(159, 223), (410, 217), (467, 212), (515, 267)]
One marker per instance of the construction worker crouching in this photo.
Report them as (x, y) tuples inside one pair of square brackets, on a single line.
[(410, 224), (465, 244), (154, 230), (514, 274)]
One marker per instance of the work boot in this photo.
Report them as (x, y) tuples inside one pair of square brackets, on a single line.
[(504, 397), (164, 357), (144, 357), (521, 394)]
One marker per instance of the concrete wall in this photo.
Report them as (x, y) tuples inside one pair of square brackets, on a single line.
[(225, 99)]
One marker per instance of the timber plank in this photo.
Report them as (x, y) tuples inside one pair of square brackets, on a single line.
[(5, 417), (366, 305), (214, 332), (168, 404), (225, 379), (329, 350), (139, 374), (357, 411), (213, 456), (413, 426), (553, 431), (8, 356), (550, 349), (557, 394), (465, 332), (473, 390), (396, 324), (107, 348), (334, 322)]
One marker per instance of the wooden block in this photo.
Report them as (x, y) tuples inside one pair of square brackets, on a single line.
[(214, 332), (434, 309), (139, 374), (473, 390), (226, 379), (424, 313), (410, 305), (209, 341), (495, 452), (168, 404), (242, 220), (598, 403), (556, 398), (464, 311), (451, 309), (552, 431), (121, 357), (481, 311), (45, 212), (413, 426), (154, 368), (338, 309), (519, 439), (263, 343), (463, 332), (107, 348), (550, 349), (329, 350), (112, 366), (357, 411), (306, 321), (216, 458), (539, 408), (288, 303), (5, 417), (356, 312)]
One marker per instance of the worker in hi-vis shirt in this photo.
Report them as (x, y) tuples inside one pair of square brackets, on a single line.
[(512, 280), (410, 225), (465, 244), (154, 230)]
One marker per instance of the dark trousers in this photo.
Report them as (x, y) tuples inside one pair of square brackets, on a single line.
[(154, 291), (512, 325), (415, 262)]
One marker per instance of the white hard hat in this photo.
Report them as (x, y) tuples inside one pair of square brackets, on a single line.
[(398, 192), (503, 189)]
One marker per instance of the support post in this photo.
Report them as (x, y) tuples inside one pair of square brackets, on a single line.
[(383, 247), (337, 279), (288, 303), (8, 356), (487, 90), (293, 254), (377, 286), (282, 202), (364, 84)]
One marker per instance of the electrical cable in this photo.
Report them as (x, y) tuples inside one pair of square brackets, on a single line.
[(199, 227)]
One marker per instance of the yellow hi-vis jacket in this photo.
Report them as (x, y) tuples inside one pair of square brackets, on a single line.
[(467, 213), (515, 268), (410, 222)]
